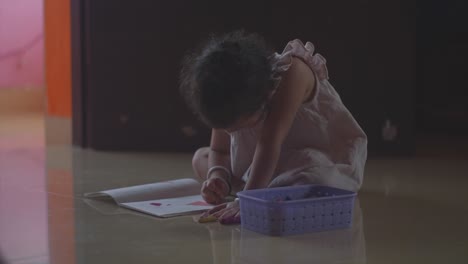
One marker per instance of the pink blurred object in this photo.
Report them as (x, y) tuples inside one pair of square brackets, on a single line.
[(22, 44)]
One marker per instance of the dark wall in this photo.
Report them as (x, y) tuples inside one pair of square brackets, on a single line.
[(442, 63), (131, 52)]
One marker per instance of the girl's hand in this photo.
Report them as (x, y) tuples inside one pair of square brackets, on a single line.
[(215, 189), (227, 213)]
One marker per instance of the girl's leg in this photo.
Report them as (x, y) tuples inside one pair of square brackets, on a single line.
[(200, 162)]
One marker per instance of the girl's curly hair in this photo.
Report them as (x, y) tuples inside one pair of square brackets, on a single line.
[(229, 77)]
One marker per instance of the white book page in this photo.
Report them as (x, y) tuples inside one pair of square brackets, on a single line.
[(171, 207), (151, 191)]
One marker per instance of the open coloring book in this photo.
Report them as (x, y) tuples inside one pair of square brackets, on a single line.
[(162, 199)]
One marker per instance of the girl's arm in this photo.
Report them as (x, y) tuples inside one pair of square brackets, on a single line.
[(216, 187), (297, 84), (220, 145)]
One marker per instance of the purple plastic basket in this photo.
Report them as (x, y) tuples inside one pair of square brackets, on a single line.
[(296, 209)]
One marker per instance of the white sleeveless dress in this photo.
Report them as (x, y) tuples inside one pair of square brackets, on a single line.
[(325, 144)]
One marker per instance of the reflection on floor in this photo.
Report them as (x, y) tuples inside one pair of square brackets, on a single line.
[(409, 211)]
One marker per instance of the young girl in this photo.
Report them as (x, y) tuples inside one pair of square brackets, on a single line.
[(276, 120)]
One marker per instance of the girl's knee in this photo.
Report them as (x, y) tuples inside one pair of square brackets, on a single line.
[(200, 154), (200, 157)]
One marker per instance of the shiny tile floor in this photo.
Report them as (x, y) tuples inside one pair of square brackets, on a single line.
[(409, 210)]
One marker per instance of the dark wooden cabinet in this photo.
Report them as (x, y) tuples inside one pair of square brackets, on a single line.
[(126, 60)]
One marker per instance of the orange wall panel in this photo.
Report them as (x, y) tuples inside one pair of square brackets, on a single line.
[(58, 57)]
